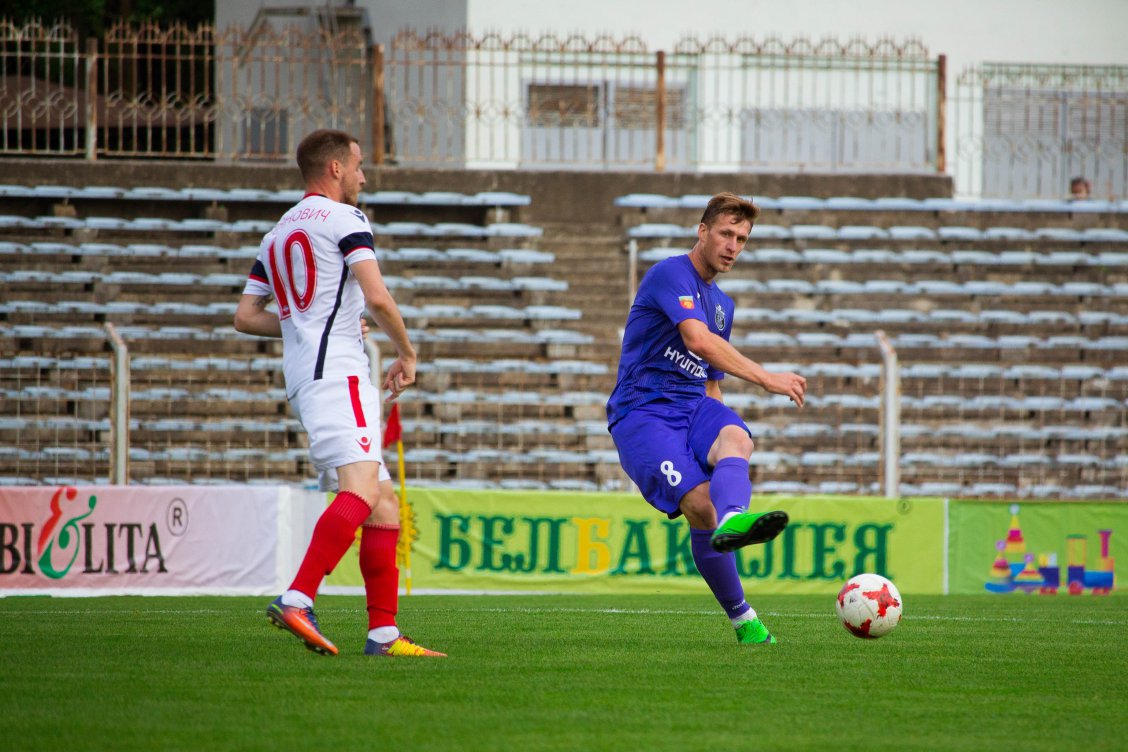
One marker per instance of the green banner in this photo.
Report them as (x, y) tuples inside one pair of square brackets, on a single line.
[(601, 543), (1035, 546)]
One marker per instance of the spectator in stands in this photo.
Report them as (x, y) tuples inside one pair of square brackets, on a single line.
[(319, 264), (685, 450), (1080, 189)]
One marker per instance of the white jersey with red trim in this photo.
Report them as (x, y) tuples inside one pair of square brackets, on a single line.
[(304, 263)]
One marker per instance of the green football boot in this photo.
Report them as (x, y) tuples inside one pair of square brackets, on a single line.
[(747, 528), (753, 632)]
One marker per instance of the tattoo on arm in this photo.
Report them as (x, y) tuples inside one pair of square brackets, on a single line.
[(264, 300)]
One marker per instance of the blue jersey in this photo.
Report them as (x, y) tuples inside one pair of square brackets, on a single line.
[(655, 363)]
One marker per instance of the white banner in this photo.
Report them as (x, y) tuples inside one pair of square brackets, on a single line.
[(101, 540)]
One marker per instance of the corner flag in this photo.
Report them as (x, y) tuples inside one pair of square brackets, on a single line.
[(393, 434), (393, 431)]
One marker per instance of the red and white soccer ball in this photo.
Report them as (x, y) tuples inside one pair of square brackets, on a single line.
[(869, 606)]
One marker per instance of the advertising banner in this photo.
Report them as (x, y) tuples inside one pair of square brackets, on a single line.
[(139, 539), (601, 543), (1046, 547)]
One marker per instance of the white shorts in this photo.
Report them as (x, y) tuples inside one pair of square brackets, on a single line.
[(343, 419)]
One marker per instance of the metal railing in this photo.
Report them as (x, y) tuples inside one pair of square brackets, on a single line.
[(68, 426), (889, 417), (44, 108), (179, 92), (57, 420), (601, 103), (119, 406), (1027, 130), (459, 100), (561, 102)]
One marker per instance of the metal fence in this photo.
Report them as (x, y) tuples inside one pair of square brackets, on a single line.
[(457, 100), (43, 90), (56, 422), (561, 102), (154, 92), (1026, 130), (179, 92), (601, 103), (992, 445)]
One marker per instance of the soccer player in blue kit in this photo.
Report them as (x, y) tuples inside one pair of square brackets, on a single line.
[(681, 445)]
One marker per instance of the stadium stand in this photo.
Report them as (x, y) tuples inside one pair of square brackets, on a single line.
[(1010, 328), (1010, 319), (166, 265)]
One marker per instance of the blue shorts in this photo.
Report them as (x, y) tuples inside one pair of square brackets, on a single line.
[(664, 446)]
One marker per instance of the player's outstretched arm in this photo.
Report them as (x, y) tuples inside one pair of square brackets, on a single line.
[(251, 317), (720, 354), (401, 374)]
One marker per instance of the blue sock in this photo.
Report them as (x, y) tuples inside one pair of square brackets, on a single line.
[(719, 572), (730, 488)]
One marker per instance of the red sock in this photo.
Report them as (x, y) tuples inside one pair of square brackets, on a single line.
[(381, 575), (332, 535)]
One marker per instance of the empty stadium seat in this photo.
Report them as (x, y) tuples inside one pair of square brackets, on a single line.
[(951, 233), (799, 203), (806, 232), (525, 256), (850, 203), (646, 201), (651, 230), (912, 232)]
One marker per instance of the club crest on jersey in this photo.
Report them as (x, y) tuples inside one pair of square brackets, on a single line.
[(719, 317), (686, 301)]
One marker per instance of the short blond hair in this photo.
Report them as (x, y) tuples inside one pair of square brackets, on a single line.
[(737, 207)]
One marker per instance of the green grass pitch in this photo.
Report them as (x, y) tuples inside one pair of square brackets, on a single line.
[(565, 673)]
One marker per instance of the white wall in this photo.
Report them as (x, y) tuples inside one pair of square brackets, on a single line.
[(968, 31)]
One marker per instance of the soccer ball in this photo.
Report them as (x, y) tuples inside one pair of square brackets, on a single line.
[(869, 606)]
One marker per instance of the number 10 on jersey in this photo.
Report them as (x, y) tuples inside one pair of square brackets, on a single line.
[(296, 255)]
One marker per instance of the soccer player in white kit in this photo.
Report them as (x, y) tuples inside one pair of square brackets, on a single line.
[(319, 265)]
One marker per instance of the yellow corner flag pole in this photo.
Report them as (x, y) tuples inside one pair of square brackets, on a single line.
[(407, 521), (408, 532)]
